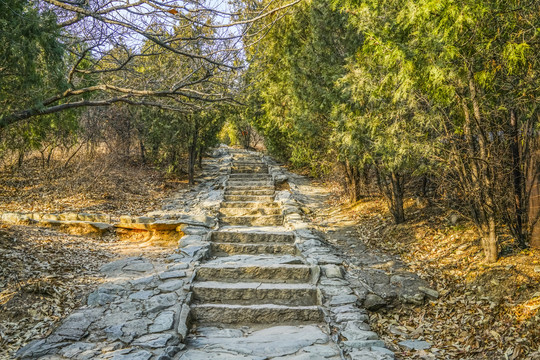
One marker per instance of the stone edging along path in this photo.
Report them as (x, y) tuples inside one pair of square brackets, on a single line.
[(147, 308)]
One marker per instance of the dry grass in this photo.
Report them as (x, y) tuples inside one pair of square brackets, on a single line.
[(485, 311), (98, 184)]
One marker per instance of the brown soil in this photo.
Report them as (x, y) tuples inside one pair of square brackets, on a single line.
[(485, 311), (45, 274)]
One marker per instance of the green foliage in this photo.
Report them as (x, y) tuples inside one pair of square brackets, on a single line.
[(31, 56)]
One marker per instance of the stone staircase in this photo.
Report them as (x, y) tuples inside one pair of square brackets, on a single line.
[(256, 275)]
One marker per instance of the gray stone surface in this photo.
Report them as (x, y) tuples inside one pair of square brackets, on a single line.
[(415, 344), (163, 322)]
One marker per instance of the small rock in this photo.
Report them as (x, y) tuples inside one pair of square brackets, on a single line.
[(172, 274), (99, 298), (333, 271), (142, 281), (154, 341), (373, 353), (139, 266), (163, 322), (76, 348), (171, 285), (434, 294), (343, 300), (178, 266), (374, 302), (142, 295), (362, 344), (160, 302), (354, 332), (351, 316), (415, 344)]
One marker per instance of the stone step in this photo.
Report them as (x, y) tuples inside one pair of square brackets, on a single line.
[(253, 220), (261, 198), (250, 176), (260, 211), (252, 237), (248, 187), (248, 204), (249, 192), (247, 162), (249, 171), (253, 167), (255, 314), (284, 273), (219, 249), (250, 183), (246, 293)]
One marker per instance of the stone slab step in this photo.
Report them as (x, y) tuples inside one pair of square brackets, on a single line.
[(261, 198), (252, 249), (249, 170), (255, 293), (257, 191), (255, 314), (260, 211), (248, 204), (250, 187), (253, 220), (251, 165), (257, 183), (282, 273), (252, 237), (248, 162), (250, 176)]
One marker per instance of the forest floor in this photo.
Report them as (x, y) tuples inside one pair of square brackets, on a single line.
[(45, 274), (485, 311)]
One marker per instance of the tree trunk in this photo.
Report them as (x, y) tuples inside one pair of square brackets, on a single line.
[(352, 181), (20, 159), (518, 178), (396, 201), (489, 242), (200, 157), (143, 151), (192, 156)]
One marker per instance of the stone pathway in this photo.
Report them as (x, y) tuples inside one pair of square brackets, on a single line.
[(256, 298), (257, 284)]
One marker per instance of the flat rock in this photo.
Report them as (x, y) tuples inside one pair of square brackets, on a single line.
[(362, 344), (373, 353), (139, 265), (415, 344), (76, 348), (171, 285), (343, 300), (172, 274), (216, 355), (142, 295), (351, 316), (163, 322), (269, 342), (333, 271), (160, 302), (374, 302), (155, 341)]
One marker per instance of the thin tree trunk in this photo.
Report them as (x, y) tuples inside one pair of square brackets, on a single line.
[(192, 156), (143, 151), (489, 242), (518, 178), (397, 198)]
